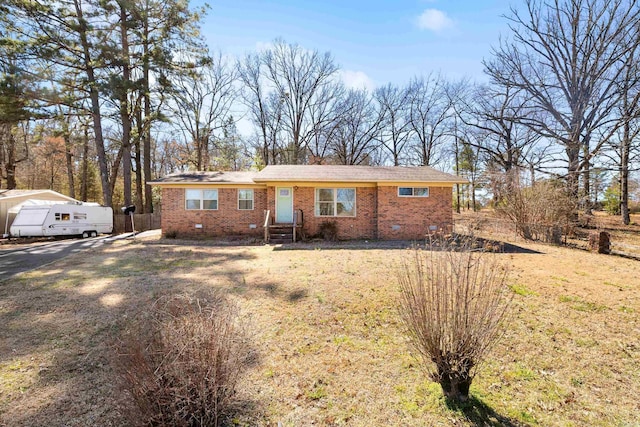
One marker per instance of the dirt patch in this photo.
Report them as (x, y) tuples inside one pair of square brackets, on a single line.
[(332, 350)]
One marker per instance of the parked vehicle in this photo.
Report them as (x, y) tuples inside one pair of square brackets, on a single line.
[(63, 219)]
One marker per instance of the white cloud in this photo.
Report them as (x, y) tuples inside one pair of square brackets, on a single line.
[(434, 20), (263, 46), (357, 80)]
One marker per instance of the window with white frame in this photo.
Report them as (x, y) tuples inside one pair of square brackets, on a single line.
[(201, 199), (335, 202), (245, 200), (413, 191)]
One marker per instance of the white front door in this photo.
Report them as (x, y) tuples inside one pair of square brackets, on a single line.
[(284, 205)]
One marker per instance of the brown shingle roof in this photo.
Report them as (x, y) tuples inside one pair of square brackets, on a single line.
[(315, 173), (340, 173), (207, 178)]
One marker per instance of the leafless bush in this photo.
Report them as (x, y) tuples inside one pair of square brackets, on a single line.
[(329, 230), (171, 234), (181, 363), (539, 212), (453, 303)]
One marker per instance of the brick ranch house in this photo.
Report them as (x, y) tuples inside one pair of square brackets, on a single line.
[(373, 202)]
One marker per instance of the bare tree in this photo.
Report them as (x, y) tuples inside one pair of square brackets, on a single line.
[(564, 58), (358, 125), (325, 117), (394, 103), (508, 145), (429, 116), (202, 103), (629, 113), (304, 82), (265, 108), (291, 94)]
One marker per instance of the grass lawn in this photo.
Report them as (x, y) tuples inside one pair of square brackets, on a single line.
[(330, 345)]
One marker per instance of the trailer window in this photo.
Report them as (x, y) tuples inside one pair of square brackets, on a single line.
[(77, 215), (62, 216)]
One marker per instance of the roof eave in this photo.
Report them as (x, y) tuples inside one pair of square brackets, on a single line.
[(169, 184), (356, 181), (47, 191)]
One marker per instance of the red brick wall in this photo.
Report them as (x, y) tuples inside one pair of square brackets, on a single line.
[(380, 213), (410, 217), (362, 226), (225, 221)]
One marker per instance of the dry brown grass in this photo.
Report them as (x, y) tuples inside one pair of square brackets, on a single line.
[(332, 350)]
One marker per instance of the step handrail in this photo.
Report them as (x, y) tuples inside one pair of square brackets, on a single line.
[(295, 224), (297, 220), (267, 215)]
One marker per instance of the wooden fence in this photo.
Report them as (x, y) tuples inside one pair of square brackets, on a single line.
[(143, 222)]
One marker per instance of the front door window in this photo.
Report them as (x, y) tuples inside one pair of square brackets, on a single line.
[(284, 205)]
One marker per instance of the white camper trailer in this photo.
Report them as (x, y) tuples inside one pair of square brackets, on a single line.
[(62, 219)]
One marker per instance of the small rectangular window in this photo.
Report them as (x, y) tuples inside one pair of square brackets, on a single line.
[(210, 199), (78, 215), (193, 199), (245, 200), (413, 191)]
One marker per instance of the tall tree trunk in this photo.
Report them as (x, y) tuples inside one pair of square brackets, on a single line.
[(95, 105), (114, 169), (68, 152), (138, 145), (573, 175), (146, 128), (85, 166), (586, 178), (458, 174), (124, 108), (10, 162), (624, 174), (473, 195), (139, 184), (69, 161)]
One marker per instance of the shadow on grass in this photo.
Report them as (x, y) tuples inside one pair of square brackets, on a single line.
[(480, 414), (58, 323), (497, 246)]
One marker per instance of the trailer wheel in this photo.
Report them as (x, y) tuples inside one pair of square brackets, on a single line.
[(94, 234), (85, 235)]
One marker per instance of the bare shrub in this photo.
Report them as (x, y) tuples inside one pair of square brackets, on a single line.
[(539, 212), (171, 234), (181, 362), (453, 303), (329, 230)]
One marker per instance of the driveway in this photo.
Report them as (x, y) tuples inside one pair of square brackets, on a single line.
[(18, 259)]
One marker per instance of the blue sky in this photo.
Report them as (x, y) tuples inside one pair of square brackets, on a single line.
[(373, 42)]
